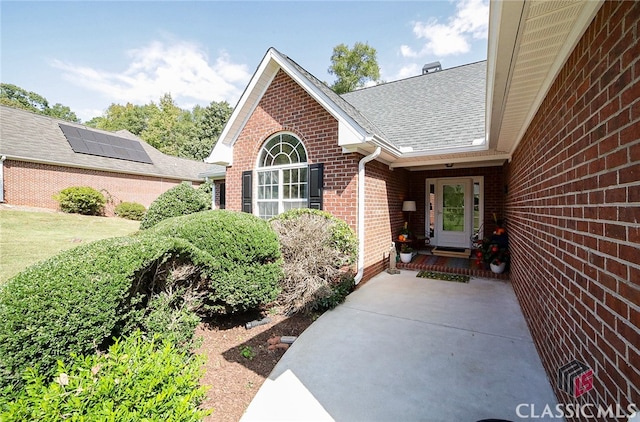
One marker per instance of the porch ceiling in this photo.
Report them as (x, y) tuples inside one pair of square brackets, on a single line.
[(529, 42)]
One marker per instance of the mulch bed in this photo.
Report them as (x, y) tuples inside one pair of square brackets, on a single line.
[(239, 360)]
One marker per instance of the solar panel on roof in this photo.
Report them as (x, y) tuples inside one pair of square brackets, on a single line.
[(85, 141)]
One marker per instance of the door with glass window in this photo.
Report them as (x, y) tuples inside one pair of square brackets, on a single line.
[(454, 212)]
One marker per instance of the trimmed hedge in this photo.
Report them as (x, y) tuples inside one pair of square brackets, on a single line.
[(246, 252), (78, 300), (182, 199), (130, 210), (138, 379), (81, 200), (160, 281)]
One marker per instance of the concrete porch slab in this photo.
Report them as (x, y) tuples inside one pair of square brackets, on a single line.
[(403, 348)]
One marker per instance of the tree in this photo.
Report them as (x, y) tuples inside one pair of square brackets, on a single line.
[(169, 127), (133, 118), (60, 111), (353, 67), (209, 122), (16, 97)]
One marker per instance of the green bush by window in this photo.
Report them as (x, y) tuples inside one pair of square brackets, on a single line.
[(317, 249), (78, 300), (246, 265), (182, 199), (81, 200), (130, 210), (138, 379)]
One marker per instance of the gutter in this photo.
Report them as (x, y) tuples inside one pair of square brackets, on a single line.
[(361, 198)]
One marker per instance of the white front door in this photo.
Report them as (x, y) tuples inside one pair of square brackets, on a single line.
[(454, 212)]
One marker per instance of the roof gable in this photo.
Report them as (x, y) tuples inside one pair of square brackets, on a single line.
[(354, 128)]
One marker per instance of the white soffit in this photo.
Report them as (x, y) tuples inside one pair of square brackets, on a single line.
[(548, 31)]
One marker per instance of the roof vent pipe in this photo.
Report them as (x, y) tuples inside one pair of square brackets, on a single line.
[(431, 68)]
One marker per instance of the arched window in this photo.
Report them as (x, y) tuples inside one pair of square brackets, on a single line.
[(283, 175)]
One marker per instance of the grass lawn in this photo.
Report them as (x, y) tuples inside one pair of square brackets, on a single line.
[(27, 237)]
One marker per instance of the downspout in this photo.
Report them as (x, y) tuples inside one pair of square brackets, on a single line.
[(361, 198), (2, 159)]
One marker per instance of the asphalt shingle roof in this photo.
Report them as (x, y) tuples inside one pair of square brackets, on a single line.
[(339, 101), (32, 137), (444, 109)]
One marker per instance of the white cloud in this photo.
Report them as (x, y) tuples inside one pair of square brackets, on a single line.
[(408, 71), (453, 37), (179, 68)]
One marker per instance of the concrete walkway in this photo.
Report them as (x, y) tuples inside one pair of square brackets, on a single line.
[(403, 348)]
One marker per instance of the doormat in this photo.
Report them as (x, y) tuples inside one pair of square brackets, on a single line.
[(441, 261), (444, 276), (453, 252)]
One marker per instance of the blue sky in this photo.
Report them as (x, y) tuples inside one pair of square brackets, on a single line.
[(88, 54)]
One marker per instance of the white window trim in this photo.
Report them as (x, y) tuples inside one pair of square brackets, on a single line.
[(259, 169)]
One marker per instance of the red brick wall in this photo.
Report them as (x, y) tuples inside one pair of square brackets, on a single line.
[(32, 184), (385, 191), (286, 106), (573, 208)]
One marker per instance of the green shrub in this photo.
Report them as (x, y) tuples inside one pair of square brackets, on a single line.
[(170, 315), (179, 200), (136, 380), (317, 249), (339, 292), (130, 210), (78, 300), (246, 265), (81, 200), (206, 188)]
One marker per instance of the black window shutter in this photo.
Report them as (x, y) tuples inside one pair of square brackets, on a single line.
[(316, 182), (247, 185), (223, 195)]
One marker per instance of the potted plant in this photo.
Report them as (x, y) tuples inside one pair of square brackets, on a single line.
[(493, 252), (406, 254), (405, 234)]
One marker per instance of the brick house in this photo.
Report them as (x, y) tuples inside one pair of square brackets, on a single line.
[(544, 133), (39, 160)]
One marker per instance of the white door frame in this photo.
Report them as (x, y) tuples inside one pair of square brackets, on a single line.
[(453, 239)]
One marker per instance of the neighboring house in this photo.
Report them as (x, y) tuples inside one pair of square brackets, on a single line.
[(545, 134), (41, 156)]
